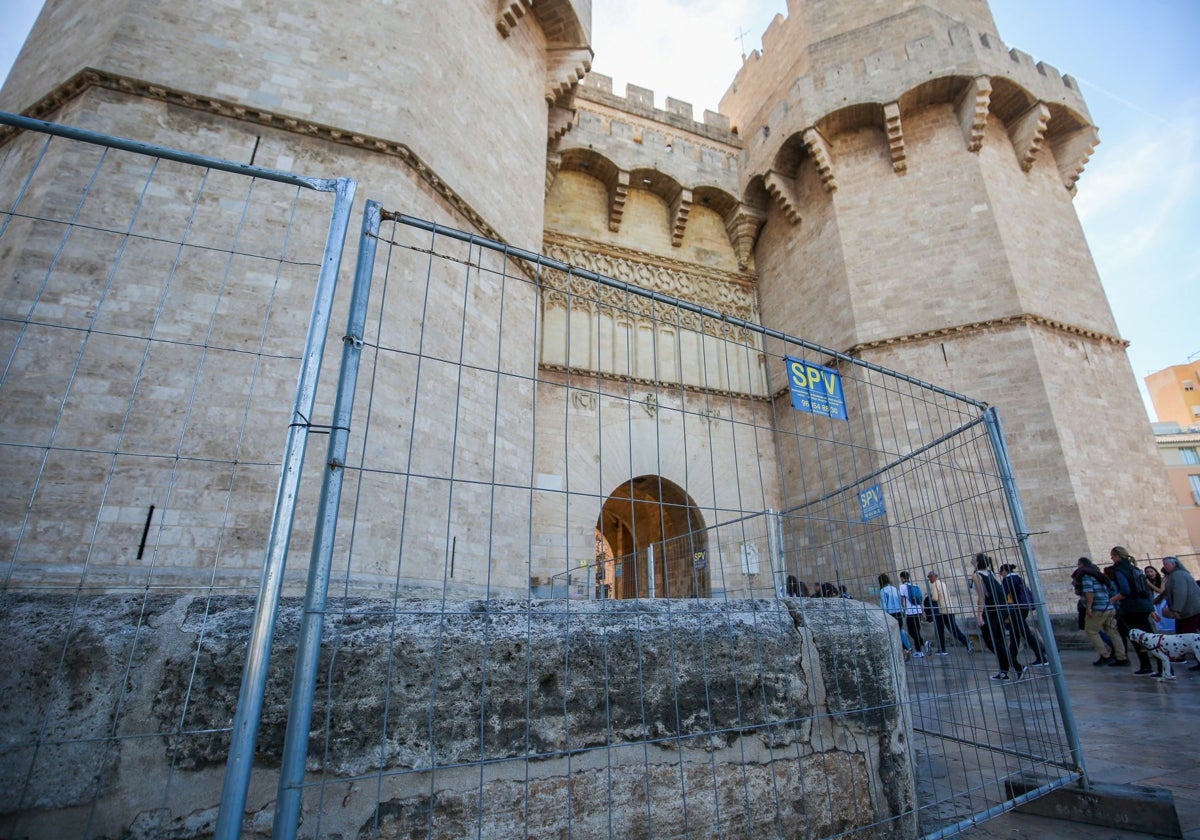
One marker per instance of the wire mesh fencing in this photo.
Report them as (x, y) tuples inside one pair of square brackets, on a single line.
[(584, 558), (600, 507), (154, 309)]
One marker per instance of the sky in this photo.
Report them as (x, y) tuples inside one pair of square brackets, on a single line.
[(1137, 65)]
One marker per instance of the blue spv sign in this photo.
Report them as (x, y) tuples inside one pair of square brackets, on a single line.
[(870, 501), (815, 389)]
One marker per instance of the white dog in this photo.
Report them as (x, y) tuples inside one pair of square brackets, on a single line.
[(1164, 648)]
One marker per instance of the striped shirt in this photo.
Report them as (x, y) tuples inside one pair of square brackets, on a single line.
[(1099, 592)]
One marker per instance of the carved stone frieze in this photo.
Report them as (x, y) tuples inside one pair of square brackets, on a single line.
[(720, 292), (1025, 319)]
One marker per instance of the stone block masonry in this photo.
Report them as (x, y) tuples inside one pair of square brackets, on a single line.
[(491, 716)]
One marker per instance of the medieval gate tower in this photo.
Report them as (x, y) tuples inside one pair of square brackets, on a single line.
[(894, 186)]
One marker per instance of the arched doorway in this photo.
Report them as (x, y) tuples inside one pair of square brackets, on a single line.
[(651, 543)]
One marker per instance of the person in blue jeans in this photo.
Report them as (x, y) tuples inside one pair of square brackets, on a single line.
[(910, 600), (891, 603)]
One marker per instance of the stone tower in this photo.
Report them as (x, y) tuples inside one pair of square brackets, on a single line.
[(918, 179)]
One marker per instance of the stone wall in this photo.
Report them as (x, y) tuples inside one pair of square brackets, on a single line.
[(549, 714), (373, 78)]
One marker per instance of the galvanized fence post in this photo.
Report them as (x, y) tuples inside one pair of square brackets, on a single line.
[(1004, 466), (254, 676), (308, 652)]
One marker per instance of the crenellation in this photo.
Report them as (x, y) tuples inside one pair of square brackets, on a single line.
[(717, 120), (639, 96), (597, 82), (775, 33), (679, 108), (596, 87)]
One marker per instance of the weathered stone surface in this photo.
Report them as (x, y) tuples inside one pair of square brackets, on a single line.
[(656, 714)]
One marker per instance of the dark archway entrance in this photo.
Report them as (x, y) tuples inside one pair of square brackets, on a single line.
[(651, 543)]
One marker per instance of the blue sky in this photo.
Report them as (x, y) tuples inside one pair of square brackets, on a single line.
[(1137, 64)]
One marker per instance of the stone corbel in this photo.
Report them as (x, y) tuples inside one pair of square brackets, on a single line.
[(818, 146), (972, 109), (895, 137), (617, 194), (1028, 132), (511, 12), (783, 189), (1071, 153), (559, 121), (743, 226), (564, 69), (553, 164), (680, 208)]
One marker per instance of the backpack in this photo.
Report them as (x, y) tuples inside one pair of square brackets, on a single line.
[(993, 592), (1138, 588), (1020, 596), (914, 593)]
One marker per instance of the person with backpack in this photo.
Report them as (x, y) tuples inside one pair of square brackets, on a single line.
[(1100, 617), (910, 597), (991, 613), (1134, 602), (1020, 602)]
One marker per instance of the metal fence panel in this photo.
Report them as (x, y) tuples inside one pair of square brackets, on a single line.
[(509, 435), (157, 309), (550, 590)]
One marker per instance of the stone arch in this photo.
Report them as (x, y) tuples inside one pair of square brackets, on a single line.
[(651, 521)]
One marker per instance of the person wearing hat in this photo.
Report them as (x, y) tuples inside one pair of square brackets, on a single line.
[(1183, 596)]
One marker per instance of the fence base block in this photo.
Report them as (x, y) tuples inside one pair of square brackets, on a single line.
[(1146, 810)]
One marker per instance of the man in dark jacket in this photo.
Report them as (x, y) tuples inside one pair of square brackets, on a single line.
[(1134, 603)]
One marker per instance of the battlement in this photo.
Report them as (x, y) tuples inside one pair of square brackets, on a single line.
[(878, 62), (1025, 60), (639, 101)]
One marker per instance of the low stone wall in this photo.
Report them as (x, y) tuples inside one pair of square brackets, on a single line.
[(619, 718)]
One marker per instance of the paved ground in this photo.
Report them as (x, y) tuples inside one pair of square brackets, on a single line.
[(1134, 730)]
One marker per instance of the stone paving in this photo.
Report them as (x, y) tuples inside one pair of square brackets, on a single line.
[(1134, 730)]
